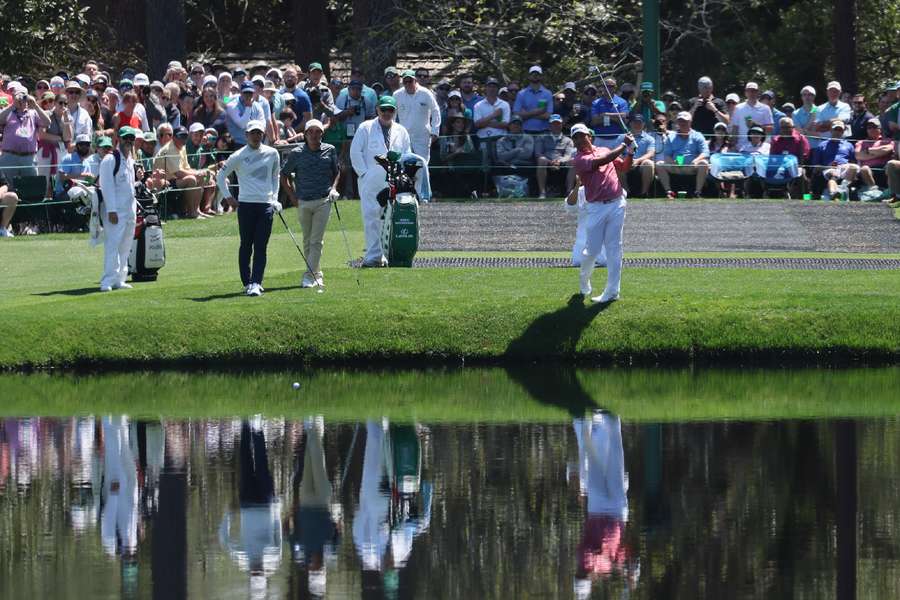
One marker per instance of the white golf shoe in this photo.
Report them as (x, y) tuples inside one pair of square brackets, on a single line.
[(122, 286), (5, 232), (254, 290), (105, 288), (605, 298), (308, 280)]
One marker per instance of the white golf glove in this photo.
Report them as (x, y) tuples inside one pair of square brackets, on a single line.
[(333, 195), (277, 206)]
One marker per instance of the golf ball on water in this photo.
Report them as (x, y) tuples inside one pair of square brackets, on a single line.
[(296, 386)]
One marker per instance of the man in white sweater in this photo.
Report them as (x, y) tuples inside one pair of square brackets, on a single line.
[(258, 168), (119, 211)]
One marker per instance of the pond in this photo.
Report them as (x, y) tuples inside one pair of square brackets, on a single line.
[(468, 483)]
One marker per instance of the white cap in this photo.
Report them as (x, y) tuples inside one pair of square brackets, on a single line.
[(111, 91), (82, 138), (535, 69), (258, 78), (838, 124), (834, 85), (453, 93), (276, 71), (141, 79), (314, 123), (210, 79), (580, 128), (751, 85), (83, 79), (704, 81), (57, 81), (733, 96), (175, 64), (808, 88), (14, 87), (224, 75), (255, 124), (157, 85), (683, 116), (195, 127), (570, 85), (287, 96)]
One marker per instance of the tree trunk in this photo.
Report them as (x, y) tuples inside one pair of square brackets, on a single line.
[(312, 38), (377, 47), (166, 34), (126, 20), (846, 482), (845, 44)]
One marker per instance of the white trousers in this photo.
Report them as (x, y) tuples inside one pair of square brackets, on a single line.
[(581, 242), (421, 146), (369, 186), (603, 227), (116, 248)]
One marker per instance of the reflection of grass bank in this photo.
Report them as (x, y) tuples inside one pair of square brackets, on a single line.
[(462, 395), (195, 314)]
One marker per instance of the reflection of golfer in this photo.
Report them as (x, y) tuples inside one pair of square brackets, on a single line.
[(258, 168), (575, 203), (119, 521), (370, 524), (604, 209), (602, 463)]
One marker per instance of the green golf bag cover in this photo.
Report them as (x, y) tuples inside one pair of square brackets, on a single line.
[(400, 230)]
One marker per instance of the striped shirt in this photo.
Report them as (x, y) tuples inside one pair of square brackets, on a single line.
[(313, 171)]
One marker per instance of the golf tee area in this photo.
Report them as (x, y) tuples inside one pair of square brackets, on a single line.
[(485, 311)]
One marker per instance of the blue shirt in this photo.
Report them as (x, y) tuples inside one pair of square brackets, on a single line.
[(832, 151), (528, 99), (644, 142), (801, 117), (470, 104), (602, 105), (691, 146), (368, 94), (302, 103), (72, 164)]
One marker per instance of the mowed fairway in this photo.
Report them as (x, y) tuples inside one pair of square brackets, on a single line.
[(196, 315)]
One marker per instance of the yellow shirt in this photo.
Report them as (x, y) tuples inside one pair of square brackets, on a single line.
[(171, 160)]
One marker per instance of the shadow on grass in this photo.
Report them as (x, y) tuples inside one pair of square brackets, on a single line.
[(239, 294), (75, 292), (555, 336)]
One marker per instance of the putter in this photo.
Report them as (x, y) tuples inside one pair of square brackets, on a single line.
[(346, 241), (291, 233)]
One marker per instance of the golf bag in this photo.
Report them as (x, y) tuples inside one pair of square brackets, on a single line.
[(400, 215), (148, 249)]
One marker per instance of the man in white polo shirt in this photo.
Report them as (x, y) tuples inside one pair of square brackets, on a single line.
[(751, 113), (491, 118)]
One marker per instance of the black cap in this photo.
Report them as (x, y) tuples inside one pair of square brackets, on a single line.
[(491, 81), (180, 132), (239, 71)]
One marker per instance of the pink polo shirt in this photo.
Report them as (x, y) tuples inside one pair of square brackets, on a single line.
[(601, 184), (21, 132)]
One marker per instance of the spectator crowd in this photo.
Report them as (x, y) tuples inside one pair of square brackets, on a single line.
[(475, 136)]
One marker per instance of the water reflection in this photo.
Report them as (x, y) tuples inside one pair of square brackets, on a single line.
[(114, 507)]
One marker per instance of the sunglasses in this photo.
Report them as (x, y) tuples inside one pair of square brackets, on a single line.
[(386, 109), (73, 92), (127, 138), (63, 103), (390, 76), (42, 87)]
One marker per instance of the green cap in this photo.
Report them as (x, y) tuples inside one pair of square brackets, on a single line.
[(123, 131), (3, 101), (409, 73), (647, 86), (104, 142), (314, 65), (387, 102), (149, 136)]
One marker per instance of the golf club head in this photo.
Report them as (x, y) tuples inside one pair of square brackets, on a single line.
[(593, 69)]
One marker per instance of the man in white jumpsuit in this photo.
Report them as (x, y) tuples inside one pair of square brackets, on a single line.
[(376, 137), (418, 111), (119, 211)]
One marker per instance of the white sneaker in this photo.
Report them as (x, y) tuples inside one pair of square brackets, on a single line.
[(542, 196), (308, 281), (123, 286), (603, 298), (320, 279), (254, 290), (105, 288), (4, 232)]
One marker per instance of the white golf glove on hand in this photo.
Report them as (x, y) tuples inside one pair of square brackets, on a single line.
[(333, 195), (277, 206)]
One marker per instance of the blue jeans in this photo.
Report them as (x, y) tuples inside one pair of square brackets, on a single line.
[(255, 224)]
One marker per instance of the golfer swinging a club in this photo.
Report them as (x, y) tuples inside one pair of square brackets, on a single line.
[(258, 168), (604, 212)]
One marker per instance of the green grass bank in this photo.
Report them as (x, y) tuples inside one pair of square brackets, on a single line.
[(196, 316)]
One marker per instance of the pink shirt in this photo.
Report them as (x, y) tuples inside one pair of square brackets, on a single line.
[(601, 184), (21, 132), (866, 145)]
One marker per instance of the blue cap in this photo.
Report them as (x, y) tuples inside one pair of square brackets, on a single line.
[(554, 118), (248, 86)]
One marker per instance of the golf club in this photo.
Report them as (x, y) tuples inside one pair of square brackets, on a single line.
[(346, 241), (291, 233), (596, 69)]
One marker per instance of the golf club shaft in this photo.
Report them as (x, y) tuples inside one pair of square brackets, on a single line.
[(291, 233), (346, 241), (610, 94)]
